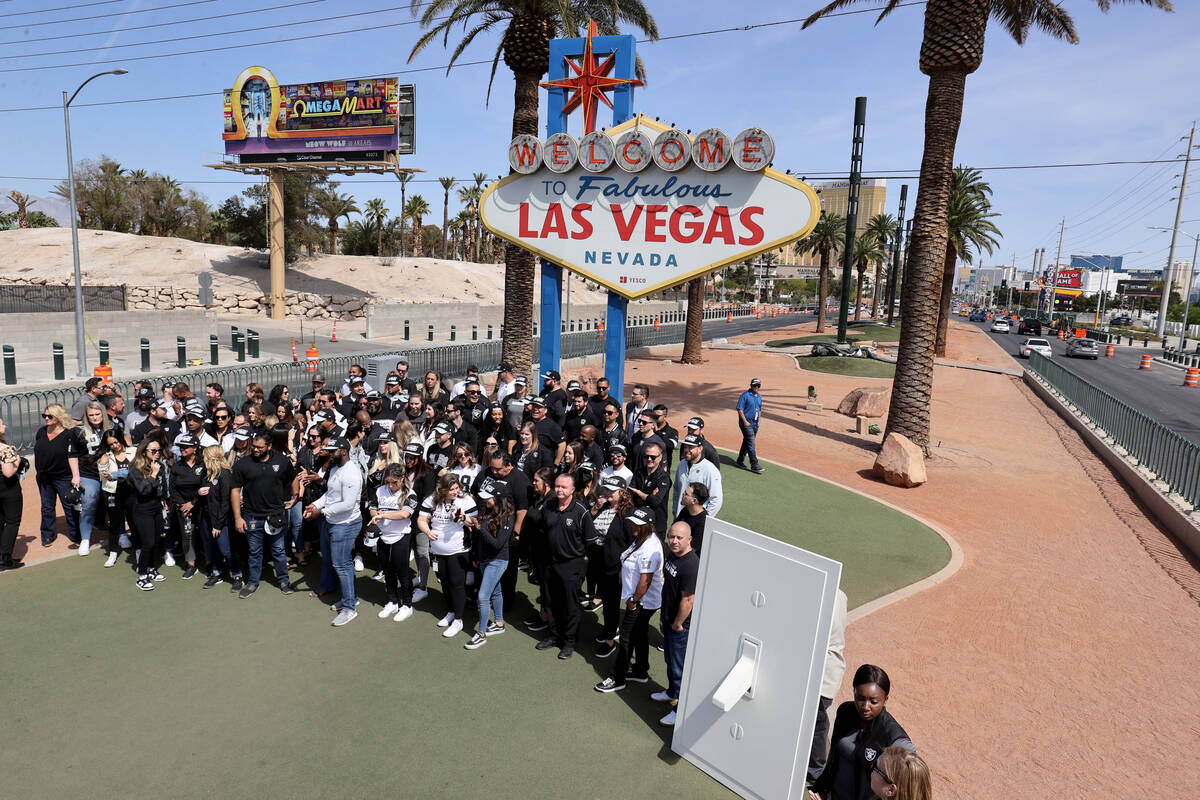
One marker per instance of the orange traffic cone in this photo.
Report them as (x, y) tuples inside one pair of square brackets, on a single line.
[(310, 356), (730, 317), (334, 337), (295, 358)]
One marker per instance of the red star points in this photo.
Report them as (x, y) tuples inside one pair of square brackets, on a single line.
[(590, 82)]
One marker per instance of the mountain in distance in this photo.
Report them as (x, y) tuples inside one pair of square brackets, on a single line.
[(53, 206)]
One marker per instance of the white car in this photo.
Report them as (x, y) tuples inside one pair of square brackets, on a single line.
[(1040, 346), (1001, 325)]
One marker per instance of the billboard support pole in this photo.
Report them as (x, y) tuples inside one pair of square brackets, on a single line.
[(856, 149), (275, 202)]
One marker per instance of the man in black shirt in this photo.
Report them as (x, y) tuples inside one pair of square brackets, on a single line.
[(556, 398), (591, 450), (440, 455), (680, 572), (516, 402), (611, 431), (568, 525), (157, 419), (599, 400), (475, 406), (377, 409), (463, 433), (669, 435), (578, 414), (395, 395), (696, 425), (318, 384), (261, 494), (693, 513), (407, 384), (646, 435), (651, 488), (356, 399), (114, 406), (549, 434)]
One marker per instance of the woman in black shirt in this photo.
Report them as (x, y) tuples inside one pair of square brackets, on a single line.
[(56, 454), (496, 429), (147, 482), (187, 476), (529, 455), (114, 463), (494, 534), (533, 533), (90, 434), (214, 497), (10, 501)]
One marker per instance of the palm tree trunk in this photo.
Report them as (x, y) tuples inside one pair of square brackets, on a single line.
[(947, 294), (333, 229), (912, 387), (518, 262), (858, 294), (403, 211), (445, 220), (695, 322), (822, 289), (875, 291)]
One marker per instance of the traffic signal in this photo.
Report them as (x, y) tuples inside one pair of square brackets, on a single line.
[(1027, 286), (1004, 285)]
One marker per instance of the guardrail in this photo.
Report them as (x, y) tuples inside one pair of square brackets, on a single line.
[(22, 410), (1172, 458)]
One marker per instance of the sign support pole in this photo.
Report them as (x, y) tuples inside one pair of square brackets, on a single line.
[(614, 344), (860, 123), (897, 243), (275, 203)]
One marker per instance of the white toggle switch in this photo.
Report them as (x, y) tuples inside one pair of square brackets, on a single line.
[(740, 681)]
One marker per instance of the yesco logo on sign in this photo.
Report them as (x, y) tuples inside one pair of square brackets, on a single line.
[(644, 207)]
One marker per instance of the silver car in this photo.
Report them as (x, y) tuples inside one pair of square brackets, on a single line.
[(1083, 348)]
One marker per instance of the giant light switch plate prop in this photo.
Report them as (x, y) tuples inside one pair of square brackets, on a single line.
[(755, 658)]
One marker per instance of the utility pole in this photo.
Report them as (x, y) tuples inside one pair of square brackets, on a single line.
[(899, 239), (1166, 290), (856, 148), (1054, 273), (1011, 280)]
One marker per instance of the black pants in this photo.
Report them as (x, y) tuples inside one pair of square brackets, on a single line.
[(562, 585), (508, 582), (595, 569), (395, 569), (10, 518), (452, 574), (610, 593), (146, 522), (116, 520), (820, 749), (635, 642)]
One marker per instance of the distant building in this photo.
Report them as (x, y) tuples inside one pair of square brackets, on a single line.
[(834, 197)]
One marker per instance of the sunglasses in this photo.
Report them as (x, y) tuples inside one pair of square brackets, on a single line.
[(153, 450), (882, 774), (221, 416), (47, 416), (653, 458)]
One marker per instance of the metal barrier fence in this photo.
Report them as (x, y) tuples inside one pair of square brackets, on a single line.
[(1172, 458), (19, 299), (22, 410)]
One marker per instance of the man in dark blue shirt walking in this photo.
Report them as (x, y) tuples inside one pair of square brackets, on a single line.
[(749, 409)]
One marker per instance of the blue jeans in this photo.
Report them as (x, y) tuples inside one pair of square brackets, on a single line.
[(90, 489), (341, 553), (749, 432), (52, 489), (328, 581), (295, 531), (491, 596), (674, 649), (218, 551), (255, 533)]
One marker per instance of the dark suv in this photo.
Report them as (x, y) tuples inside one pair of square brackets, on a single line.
[(1030, 327), (1123, 320)]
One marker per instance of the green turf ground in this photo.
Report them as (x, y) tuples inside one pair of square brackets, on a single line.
[(858, 367), (184, 692)]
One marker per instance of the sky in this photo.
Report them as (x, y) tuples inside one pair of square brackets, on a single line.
[(1127, 92)]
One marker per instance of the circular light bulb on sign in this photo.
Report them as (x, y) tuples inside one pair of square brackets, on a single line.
[(672, 150), (633, 151), (711, 149), (525, 154), (596, 151), (560, 153), (753, 149)]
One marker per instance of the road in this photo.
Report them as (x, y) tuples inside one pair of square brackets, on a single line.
[(1159, 392)]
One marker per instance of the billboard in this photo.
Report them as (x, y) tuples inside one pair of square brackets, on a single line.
[(264, 118), (643, 207), (1137, 289)]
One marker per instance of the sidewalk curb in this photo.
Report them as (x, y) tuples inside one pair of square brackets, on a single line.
[(1172, 517)]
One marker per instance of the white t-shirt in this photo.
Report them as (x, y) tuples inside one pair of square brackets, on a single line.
[(466, 476), (393, 530), (623, 472), (634, 563), (448, 530)]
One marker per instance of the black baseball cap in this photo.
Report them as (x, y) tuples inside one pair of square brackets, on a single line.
[(538, 401), (574, 386), (336, 443), (613, 483), (692, 440), (520, 380), (505, 367), (696, 423), (414, 449), (353, 379), (318, 378), (552, 375), (393, 380), (755, 382), (242, 434), (640, 516), (187, 440), (374, 395), (617, 448), (443, 427)]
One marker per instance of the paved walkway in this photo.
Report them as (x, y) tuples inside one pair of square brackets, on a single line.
[(1040, 667)]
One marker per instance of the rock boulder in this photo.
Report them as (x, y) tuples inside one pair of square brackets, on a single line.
[(900, 462), (866, 402)]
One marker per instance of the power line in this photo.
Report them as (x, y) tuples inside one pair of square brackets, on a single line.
[(105, 16), (172, 23), (211, 35), (60, 8)]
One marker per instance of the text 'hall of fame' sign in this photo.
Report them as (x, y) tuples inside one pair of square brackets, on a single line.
[(643, 207)]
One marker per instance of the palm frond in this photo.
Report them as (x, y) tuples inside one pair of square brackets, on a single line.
[(838, 5)]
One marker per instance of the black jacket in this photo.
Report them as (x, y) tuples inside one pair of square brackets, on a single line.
[(881, 733), (218, 507)]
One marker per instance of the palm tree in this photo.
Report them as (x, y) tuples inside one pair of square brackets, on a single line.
[(469, 196), (693, 330), (461, 225), (405, 177), (826, 240), (970, 233), (951, 50), (866, 250), (376, 213), (480, 179), (529, 25), (447, 185), (883, 228), (218, 227), (22, 202), (333, 205), (416, 209)]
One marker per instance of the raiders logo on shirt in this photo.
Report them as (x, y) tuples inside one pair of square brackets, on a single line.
[(870, 754), (275, 467), (570, 523)]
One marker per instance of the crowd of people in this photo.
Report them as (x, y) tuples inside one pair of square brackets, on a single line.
[(602, 504)]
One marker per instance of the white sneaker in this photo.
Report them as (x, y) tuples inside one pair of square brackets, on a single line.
[(124, 542), (388, 610), (669, 719), (85, 547), (111, 561), (454, 630), (420, 594), (358, 564), (404, 613), (168, 559), (344, 616), (446, 620), (661, 697)]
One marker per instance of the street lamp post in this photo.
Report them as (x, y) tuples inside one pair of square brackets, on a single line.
[(1187, 305), (80, 345)]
